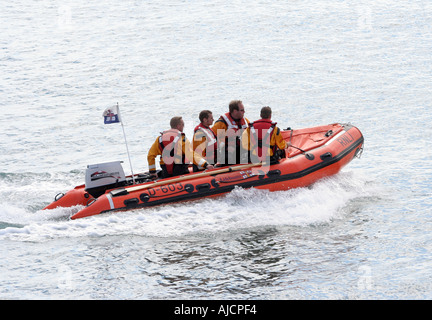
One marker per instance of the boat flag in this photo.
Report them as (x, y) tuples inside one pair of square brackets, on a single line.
[(111, 115)]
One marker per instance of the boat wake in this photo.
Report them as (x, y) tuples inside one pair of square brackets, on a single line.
[(320, 203)]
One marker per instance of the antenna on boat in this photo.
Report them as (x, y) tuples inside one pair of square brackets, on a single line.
[(127, 148), (112, 115)]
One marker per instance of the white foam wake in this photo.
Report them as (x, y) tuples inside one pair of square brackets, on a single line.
[(320, 203)]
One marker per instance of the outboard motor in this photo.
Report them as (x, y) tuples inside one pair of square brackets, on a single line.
[(103, 176)]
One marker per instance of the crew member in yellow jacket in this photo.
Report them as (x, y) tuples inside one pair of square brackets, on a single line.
[(229, 129), (263, 139), (175, 151), (205, 140)]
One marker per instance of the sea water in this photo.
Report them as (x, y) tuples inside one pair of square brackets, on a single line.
[(361, 234)]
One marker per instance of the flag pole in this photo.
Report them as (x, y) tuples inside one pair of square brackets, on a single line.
[(127, 148)]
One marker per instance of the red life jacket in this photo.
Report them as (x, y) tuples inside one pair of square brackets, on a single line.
[(167, 142), (233, 127), (211, 142), (260, 134), (234, 124)]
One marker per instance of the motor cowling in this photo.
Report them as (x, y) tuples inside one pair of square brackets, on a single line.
[(103, 176)]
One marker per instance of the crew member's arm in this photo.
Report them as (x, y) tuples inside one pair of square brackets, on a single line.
[(219, 128), (196, 158), (199, 143), (246, 139), (279, 141), (151, 156)]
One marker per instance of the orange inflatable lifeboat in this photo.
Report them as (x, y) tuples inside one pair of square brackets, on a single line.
[(314, 153)]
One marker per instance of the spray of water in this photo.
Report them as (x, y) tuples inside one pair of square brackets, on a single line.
[(242, 208)]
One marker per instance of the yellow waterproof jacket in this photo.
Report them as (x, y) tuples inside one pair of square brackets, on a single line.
[(226, 126), (276, 139), (205, 140)]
